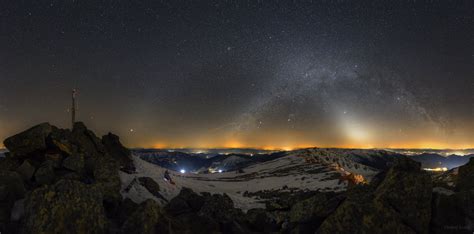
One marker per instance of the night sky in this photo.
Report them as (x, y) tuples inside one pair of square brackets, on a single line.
[(266, 74)]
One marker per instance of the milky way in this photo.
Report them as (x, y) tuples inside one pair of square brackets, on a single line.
[(271, 74)]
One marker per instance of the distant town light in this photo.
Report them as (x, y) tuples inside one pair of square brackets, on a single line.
[(182, 171), (220, 170)]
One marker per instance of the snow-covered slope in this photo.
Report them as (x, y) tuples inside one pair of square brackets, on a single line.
[(299, 170)]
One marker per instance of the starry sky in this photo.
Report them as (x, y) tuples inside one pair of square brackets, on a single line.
[(265, 74)]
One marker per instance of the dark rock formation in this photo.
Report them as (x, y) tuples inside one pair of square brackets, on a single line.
[(401, 203), (72, 178)]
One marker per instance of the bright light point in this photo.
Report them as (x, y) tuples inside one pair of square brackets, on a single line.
[(131, 130), (220, 170), (182, 171)]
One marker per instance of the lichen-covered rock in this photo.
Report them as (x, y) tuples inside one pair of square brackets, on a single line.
[(45, 173), (66, 207), (118, 152), (146, 219), (465, 178), (400, 204), (30, 141), (26, 170)]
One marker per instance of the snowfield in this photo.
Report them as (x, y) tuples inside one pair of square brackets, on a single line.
[(298, 170)]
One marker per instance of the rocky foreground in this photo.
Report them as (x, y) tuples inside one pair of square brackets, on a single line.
[(67, 181)]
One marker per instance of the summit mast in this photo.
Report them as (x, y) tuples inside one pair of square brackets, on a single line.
[(73, 108)]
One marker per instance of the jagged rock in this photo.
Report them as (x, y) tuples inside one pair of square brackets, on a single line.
[(400, 204), (118, 152), (30, 141), (11, 189), (45, 173), (151, 186), (146, 219), (465, 178), (26, 170), (74, 163), (66, 207)]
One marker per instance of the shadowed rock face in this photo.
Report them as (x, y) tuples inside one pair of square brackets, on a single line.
[(70, 175), (465, 179), (401, 203)]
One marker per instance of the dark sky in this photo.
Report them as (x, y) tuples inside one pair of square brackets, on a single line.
[(271, 74)]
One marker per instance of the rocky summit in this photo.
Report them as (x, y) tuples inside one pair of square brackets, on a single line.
[(69, 181)]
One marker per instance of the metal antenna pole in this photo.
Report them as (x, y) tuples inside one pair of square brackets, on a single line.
[(73, 109)]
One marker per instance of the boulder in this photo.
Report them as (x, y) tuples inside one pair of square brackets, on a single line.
[(146, 219), (151, 186), (66, 207), (30, 141), (118, 152), (26, 170)]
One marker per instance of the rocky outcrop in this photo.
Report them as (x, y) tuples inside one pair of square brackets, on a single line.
[(72, 178), (401, 203)]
